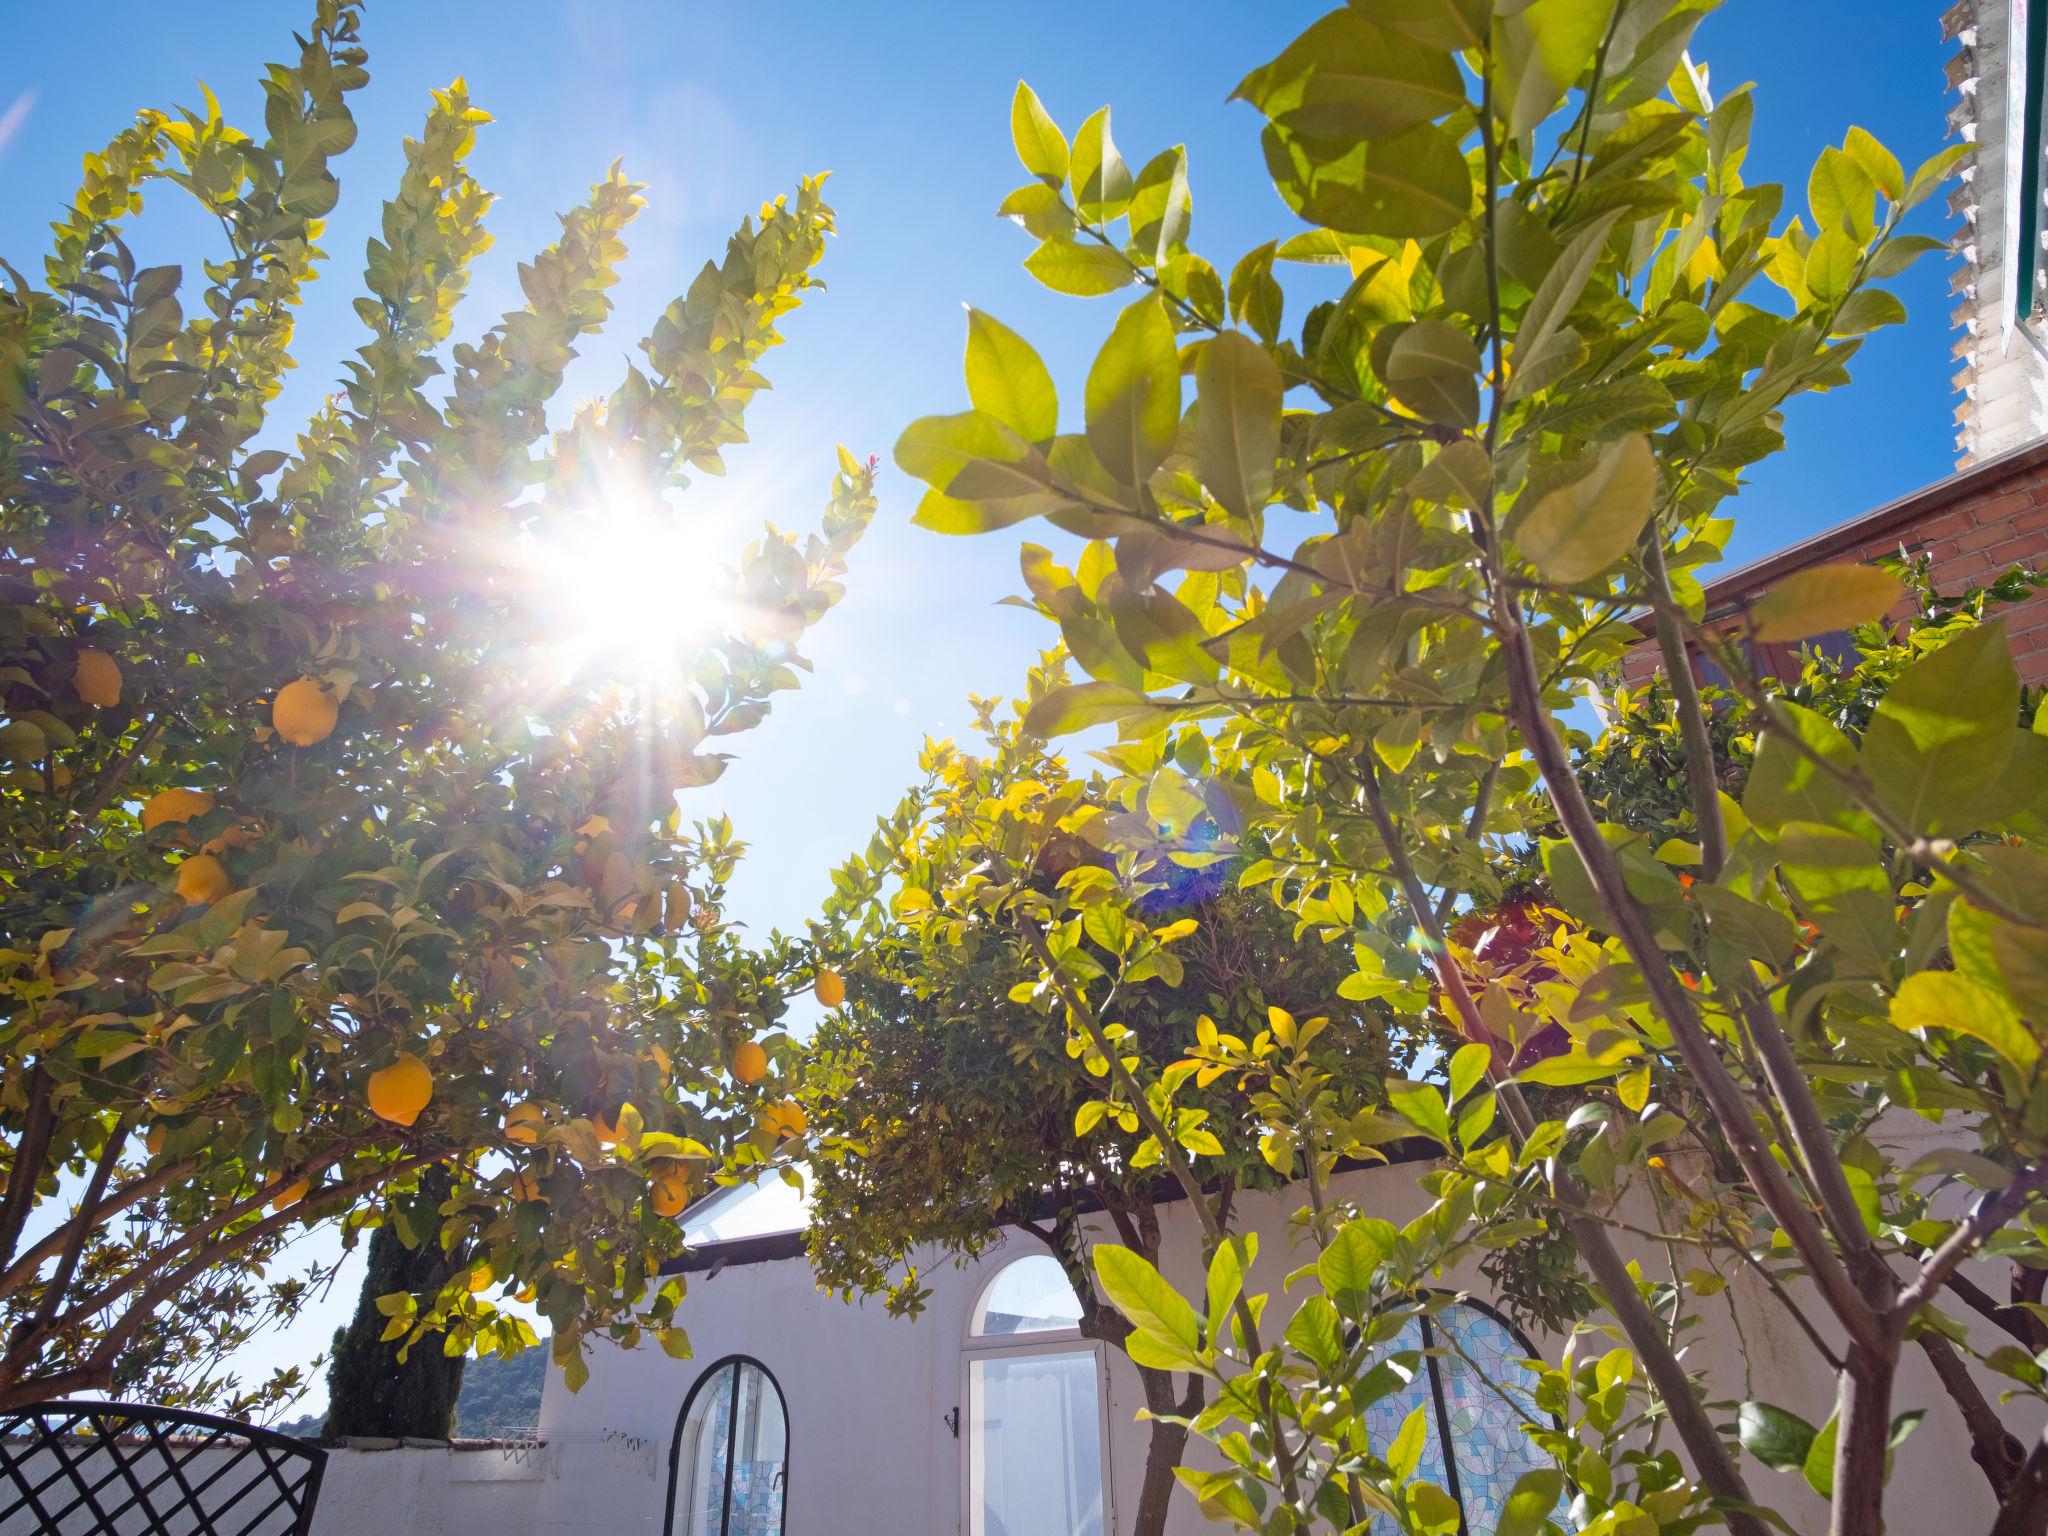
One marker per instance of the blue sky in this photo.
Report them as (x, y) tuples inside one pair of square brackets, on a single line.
[(718, 107)]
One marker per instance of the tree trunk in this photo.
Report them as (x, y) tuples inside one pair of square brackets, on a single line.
[(1163, 1451), (2025, 1512), (1863, 1432), (369, 1392)]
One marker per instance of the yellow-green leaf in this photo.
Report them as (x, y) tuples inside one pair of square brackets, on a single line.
[(1823, 598)]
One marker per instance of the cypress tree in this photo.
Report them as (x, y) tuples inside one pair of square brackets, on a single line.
[(369, 1391)]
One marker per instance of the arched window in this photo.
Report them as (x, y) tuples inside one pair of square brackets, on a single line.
[(1036, 1434), (728, 1472), (1477, 1395)]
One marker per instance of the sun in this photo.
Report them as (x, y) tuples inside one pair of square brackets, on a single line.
[(629, 592)]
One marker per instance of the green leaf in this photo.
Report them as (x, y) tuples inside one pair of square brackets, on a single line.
[(1840, 880), (1133, 394), (1233, 1259), (1785, 784), (1040, 145), (1143, 1295), (1008, 380), (1542, 51), (1404, 1455), (1842, 195), (1543, 321), (1866, 310), (1468, 1065), (1415, 184), (1453, 25), (1237, 434), (1083, 270), (1102, 182), (1879, 163), (1584, 526), (1823, 598), (1346, 78), (1346, 1268), (1819, 1466), (1933, 171), (1778, 1439), (1951, 1001), (1530, 1502), (1317, 1334), (1421, 1106), (1080, 705), (1942, 736), (1433, 369)]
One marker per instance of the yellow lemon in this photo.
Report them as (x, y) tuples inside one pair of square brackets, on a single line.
[(783, 1120), (524, 1123), (97, 679), (203, 878), (169, 806), (749, 1062), (400, 1091), (830, 988), (304, 712)]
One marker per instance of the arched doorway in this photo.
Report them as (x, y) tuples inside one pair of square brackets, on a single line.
[(1036, 1439), (728, 1468)]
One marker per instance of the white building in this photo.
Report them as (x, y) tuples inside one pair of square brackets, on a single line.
[(990, 1415), (1998, 76)]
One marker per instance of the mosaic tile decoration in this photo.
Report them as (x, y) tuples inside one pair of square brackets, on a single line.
[(1485, 1420)]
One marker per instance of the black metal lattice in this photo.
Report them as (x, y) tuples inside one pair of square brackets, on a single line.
[(125, 1469)]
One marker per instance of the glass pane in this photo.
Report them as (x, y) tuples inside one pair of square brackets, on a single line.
[(1383, 1420), (700, 1458), (760, 1445), (1487, 1397), (1036, 1453), (1031, 1296), (765, 1206)]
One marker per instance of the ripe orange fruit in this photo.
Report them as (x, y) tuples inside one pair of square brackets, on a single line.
[(290, 1195), (154, 1139), (304, 712), (97, 679), (169, 806), (607, 1129), (400, 1091), (241, 835), (203, 878), (525, 1186), (524, 1123), (830, 988), (670, 1191), (749, 1062), (783, 1120)]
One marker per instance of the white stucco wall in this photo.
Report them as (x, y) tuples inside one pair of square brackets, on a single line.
[(871, 1453)]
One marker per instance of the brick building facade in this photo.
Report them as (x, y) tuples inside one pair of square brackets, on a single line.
[(1971, 526)]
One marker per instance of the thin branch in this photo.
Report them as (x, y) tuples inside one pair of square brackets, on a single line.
[(1993, 1211)]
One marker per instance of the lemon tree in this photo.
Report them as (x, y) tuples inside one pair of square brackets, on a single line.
[(1555, 326), (953, 1109), (328, 853)]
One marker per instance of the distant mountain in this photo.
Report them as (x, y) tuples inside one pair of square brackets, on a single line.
[(500, 1396)]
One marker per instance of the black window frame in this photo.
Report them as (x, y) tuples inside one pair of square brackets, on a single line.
[(711, 1373)]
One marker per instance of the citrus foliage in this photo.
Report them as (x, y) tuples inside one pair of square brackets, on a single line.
[(320, 859), (1567, 326), (958, 1107)]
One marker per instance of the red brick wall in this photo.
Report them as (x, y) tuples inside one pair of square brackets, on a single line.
[(1984, 530)]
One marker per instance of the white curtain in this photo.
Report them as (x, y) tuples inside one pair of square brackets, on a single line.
[(1037, 1451)]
